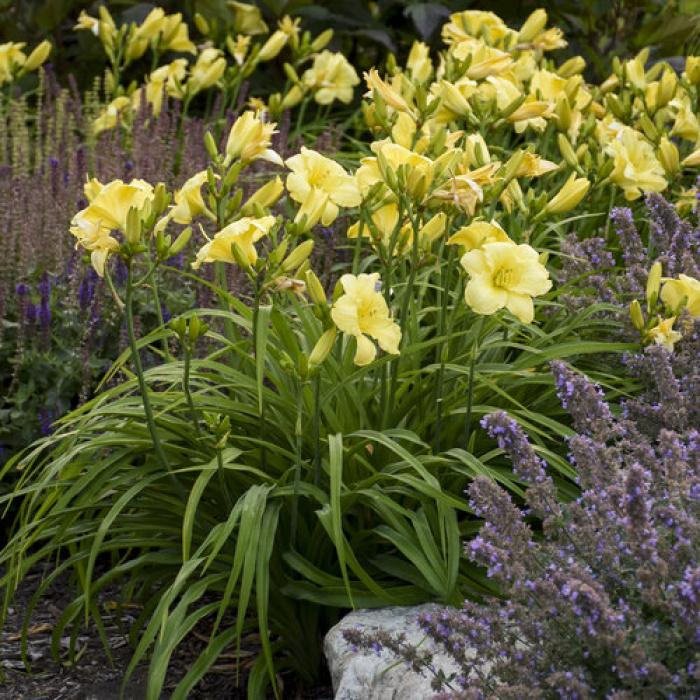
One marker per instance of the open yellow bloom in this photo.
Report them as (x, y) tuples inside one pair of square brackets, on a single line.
[(663, 334), (418, 63), (175, 35), (142, 35), (166, 79), (207, 70), (686, 124), (477, 234), (684, 289), (636, 168), (107, 211), (361, 312), (250, 139), (330, 78), (189, 202), (245, 233), (12, 58), (109, 118), (474, 23), (324, 179), (505, 275)]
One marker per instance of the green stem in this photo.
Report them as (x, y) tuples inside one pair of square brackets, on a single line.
[(186, 386), (150, 421), (440, 350), (470, 388), (222, 480), (298, 442), (317, 429)]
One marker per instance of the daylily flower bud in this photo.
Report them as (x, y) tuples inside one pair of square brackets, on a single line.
[(533, 26), (692, 69), (298, 256), (315, 289), (210, 146), (292, 98), (692, 160), (265, 196), (201, 23), (323, 347), (180, 242), (668, 156), (132, 232), (648, 127), (567, 151), (513, 165), (37, 57), (322, 40), (569, 196), (653, 284), (637, 316), (573, 66), (275, 43)]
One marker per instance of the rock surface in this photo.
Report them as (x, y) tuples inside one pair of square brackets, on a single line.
[(360, 676)]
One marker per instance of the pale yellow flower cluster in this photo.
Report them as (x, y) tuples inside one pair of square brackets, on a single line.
[(14, 62)]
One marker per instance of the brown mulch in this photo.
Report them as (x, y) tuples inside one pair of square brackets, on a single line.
[(92, 676)]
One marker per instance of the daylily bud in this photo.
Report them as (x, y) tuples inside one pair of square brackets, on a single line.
[(573, 66), (668, 156), (653, 284), (132, 231), (161, 199), (265, 196), (569, 196), (692, 69), (666, 88), (533, 26), (692, 160), (650, 131), (275, 43), (567, 151), (315, 289), (210, 146), (292, 98), (513, 165), (323, 347), (37, 57), (298, 256), (201, 23), (637, 316), (322, 40), (180, 242)]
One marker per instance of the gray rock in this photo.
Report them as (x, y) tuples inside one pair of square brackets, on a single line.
[(360, 676)]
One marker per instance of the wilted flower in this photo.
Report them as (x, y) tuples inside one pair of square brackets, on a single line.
[(362, 311), (505, 275)]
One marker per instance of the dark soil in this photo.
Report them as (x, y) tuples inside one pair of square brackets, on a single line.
[(92, 676)]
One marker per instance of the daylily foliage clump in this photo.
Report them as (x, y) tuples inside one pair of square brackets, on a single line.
[(304, 442)]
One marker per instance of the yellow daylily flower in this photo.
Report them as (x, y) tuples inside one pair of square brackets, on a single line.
[(109, 118), (362, 311), (418, 63), (462, 191), (392, 97), (327, 181), (384, 220), (331, 78), (250, 139), (474, 23), (143, 34), (245, 233), (107, 211), (505, 275), (533, 25), (274, 44), (692, 69), (534, 166), (239, 48), (207, 70), (477, 234), (189, 202), (686, 124), (684, 289), (37, 57), (664, 335), (168, 79), (266, 195), (636, 168), (175, 35), (485, 60), (12, 58), (692, 159)]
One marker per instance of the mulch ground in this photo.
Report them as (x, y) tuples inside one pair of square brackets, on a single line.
[(92, 676)]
